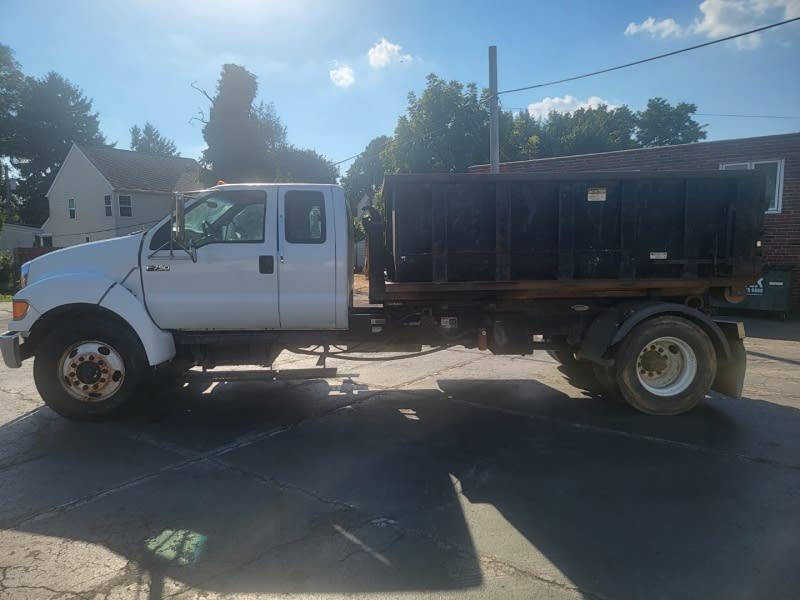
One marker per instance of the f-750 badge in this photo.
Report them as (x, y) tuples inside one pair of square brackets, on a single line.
[(157, 268)]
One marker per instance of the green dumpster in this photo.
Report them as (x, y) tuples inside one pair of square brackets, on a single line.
[(771, 293)]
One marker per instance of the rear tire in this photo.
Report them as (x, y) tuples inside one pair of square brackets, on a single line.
[(665, 366), (89, 370)]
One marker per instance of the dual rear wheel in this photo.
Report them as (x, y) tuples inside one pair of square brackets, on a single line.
[(664, 366)]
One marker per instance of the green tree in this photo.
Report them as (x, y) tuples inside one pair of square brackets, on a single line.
[(365, 175), (587, 130), (53, 113), (248, 142), (662, 124), (444, 129), (11, 84), (301, 165), (239, 135), (150, 140)]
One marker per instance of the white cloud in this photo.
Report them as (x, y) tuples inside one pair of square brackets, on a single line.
[(565, 104), (385, 52), (719, 18), (342, 76), (662, 29)]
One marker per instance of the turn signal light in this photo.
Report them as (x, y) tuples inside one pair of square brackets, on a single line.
[(19, 308)]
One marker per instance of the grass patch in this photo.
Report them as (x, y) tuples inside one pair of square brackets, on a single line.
[(5, 297)]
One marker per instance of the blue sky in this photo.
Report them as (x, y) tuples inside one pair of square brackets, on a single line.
[(338, 73)]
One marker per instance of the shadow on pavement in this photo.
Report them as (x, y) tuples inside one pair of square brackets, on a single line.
[(426, 490)]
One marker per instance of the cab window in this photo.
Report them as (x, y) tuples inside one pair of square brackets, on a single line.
[(233, 216), (304, 217)]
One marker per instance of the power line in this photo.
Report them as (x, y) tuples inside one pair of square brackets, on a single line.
[(645, 60)]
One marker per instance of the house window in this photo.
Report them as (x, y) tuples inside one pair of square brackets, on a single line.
[(125, 206), (773, 169), (44, 240), (107, 202), (71, 208)]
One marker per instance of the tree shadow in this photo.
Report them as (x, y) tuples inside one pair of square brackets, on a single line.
[(426, 490)]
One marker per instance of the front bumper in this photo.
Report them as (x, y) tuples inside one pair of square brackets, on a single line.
[(10, 348)]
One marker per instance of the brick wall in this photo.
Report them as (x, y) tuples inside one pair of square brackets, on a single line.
[(781, 230)]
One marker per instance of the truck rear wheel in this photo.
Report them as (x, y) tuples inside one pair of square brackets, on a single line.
[(89, 370), (665, 366)]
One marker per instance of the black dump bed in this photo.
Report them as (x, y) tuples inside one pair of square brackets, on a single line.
[(448, 228)]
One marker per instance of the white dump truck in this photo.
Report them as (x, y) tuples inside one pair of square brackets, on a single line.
[(607, 272)]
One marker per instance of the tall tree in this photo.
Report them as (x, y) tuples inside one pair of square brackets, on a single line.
[(150, 140), (247, 142), (238, 134), (11, 84), (662, 124), (365, 175), (444, 129), (53, 113)]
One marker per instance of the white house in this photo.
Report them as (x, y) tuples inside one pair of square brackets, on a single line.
[(102, 192)]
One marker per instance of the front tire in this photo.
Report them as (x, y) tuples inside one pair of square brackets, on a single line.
[(665, 366), (89, 370)]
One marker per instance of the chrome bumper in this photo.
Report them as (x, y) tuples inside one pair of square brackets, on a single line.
[(9, 347)]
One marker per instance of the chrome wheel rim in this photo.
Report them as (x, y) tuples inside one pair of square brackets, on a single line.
[(666, 366), (91, 371)]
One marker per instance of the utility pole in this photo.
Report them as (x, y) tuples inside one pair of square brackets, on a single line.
[(494, 124)]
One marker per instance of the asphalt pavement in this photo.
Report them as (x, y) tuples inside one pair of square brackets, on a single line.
[(453, 475)]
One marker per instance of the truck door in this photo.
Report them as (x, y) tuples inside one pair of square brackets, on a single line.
[(234, 283), (306, 257)]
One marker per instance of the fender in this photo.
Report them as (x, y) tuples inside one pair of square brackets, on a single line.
[(612, 326), (159, 345), (63, 289)]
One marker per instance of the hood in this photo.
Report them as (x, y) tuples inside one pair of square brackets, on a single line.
[(113, 258)]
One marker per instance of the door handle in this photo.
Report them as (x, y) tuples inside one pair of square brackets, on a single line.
[(266, 264)]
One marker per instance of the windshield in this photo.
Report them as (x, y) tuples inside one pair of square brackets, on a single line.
[(220, 216)]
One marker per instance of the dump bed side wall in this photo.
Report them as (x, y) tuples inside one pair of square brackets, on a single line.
[(458, 228)]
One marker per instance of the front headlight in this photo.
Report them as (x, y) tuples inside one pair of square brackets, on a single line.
[(23, 274)]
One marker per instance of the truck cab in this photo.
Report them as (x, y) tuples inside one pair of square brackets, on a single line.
[(261, 257)]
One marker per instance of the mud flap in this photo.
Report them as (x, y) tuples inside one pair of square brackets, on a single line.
[(730, 373)]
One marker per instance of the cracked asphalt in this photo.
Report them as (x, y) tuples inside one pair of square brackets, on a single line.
[(453, 475)]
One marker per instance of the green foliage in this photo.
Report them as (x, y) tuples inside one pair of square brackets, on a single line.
[(248, 142), (365, 175), (53, 113), (150, 140), (5, 272), (295, 164), (445, 129), (661, 124), (238, 134), (11, 83)]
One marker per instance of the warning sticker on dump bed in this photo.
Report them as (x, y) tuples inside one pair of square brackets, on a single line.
[(596, 194)]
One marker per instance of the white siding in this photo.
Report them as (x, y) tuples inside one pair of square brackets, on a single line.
[(79, 179), (16, 236), (147, 208)]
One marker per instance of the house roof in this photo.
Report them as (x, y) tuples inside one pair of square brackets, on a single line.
[(139, 171)]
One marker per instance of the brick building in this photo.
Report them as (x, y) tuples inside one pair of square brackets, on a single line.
[(777, 155)]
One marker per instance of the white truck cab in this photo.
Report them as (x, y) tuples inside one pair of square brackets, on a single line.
[(253, 258)]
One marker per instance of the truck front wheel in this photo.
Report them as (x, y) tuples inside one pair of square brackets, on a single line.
[(89, 370), (665, 366)]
